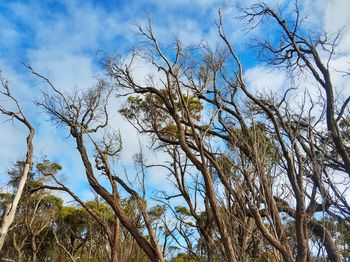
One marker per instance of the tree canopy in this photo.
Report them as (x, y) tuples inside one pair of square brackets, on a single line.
[(256, 176)]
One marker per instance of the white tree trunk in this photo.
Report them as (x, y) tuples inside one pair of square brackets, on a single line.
[(10, 210)]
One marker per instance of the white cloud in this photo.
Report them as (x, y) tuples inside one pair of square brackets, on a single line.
[(12, 144), (63, 46), (263, 80), (65, 70), (336, 17)]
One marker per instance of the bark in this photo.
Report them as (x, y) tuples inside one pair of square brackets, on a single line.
[(151, 251), (332, 250), (114, 245), (33, 248), (317, 229), (10, 211), (114, 254)]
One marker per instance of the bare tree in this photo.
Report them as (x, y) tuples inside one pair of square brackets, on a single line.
[(260, 177), (268, 141), (10, 211), (298, 50), (85, 114)]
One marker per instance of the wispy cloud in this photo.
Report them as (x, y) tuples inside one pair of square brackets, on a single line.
[(62, 40)]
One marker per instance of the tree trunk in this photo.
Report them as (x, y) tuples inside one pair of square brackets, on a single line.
[(115, 244), (152, 251), (333, 252), (34, 248), (10, 211), (114, 254)]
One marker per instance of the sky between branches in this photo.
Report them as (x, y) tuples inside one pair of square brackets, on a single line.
[(64, 40)]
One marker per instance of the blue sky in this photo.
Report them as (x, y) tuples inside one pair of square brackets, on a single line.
[(62, 40)]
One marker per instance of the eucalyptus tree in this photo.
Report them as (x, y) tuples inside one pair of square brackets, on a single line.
[(279, 156), (254, 171), (17, 114), (85, 114), (29, 237)]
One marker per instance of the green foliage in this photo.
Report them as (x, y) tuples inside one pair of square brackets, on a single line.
[(5, 197), (181, 210), (157, 211), (257, 141), (151, 111), (170, 131), (135, 105), (226, 164), (48, 168), (16, 172), (51, 202), (183, 257), (73, 215), (193, 104), (102, 210)]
